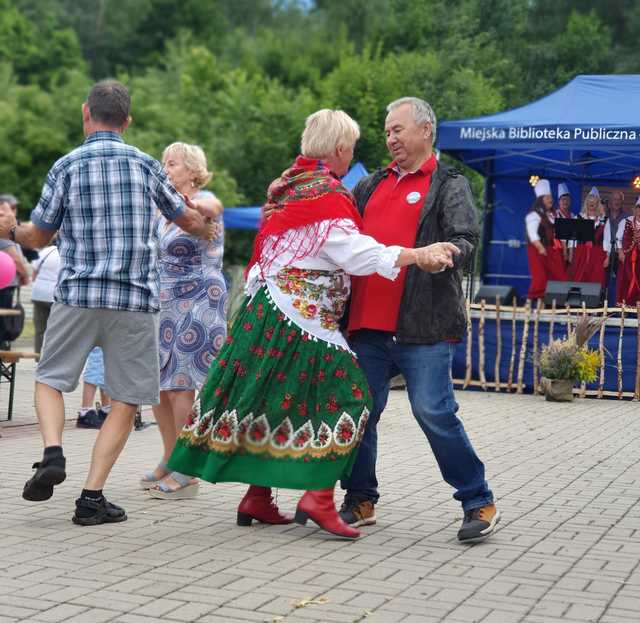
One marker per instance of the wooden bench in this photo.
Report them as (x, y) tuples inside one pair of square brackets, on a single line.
[(8, 361)]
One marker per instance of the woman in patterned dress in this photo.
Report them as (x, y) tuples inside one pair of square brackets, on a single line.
[(285, 403), (192, 315)]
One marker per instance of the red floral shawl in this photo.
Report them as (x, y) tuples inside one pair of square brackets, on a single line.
[(304, 195)]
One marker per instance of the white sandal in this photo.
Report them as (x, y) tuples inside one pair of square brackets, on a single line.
[(188, 488)]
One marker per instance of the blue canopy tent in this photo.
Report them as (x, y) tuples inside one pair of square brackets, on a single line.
[(585, 133), (249, 217)]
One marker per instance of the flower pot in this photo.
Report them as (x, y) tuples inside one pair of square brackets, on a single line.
[(558, 390)]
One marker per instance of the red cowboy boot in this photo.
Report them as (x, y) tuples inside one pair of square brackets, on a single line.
[(319, 506), (258, 504)]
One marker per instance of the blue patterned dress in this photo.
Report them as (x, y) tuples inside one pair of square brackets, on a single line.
[(193, 297)]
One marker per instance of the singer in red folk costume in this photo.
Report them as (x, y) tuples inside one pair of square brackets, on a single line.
[(564, 211), (628, 288), (590, 258), (546, 262)]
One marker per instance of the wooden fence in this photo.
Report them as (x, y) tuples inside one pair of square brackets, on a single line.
[(527, 321)]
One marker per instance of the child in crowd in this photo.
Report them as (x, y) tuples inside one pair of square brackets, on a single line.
[(90, 415)]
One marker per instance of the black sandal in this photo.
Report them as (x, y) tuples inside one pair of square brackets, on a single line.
[(49, 472), (103, 512)]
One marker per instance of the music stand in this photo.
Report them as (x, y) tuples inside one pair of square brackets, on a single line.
[(578, 229)]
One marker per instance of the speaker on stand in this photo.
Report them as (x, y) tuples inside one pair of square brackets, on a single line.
[(573, 293), (491, 294)]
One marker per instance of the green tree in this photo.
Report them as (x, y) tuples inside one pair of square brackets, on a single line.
[(363, 84), (38, 51), (38, 127)]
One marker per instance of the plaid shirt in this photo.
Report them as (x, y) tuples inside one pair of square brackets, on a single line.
[(102, 197)]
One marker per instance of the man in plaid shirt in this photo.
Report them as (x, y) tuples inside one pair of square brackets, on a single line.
[(101, 199)]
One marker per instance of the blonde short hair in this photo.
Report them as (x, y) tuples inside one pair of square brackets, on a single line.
[(585, 205), (324, 130), (194, 160)]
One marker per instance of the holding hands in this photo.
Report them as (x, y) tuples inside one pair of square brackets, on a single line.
[(209, 207), (208, 230), (436, 257)]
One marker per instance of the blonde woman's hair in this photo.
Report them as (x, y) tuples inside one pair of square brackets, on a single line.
[(194, 160), (324, 130), (585, 206)]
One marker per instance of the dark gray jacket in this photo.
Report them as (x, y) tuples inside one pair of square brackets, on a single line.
[(433, 307)]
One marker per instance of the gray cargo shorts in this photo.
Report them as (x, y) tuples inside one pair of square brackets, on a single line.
[(129, 341)]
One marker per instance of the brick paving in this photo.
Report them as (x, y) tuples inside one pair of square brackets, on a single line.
[(568, 548)]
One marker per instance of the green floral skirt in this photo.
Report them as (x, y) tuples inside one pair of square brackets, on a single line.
[(279, 408)]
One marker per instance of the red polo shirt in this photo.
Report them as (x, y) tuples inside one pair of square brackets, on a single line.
[(391, 217)]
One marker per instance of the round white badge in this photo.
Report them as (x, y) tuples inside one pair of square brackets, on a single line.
[(413, 197)]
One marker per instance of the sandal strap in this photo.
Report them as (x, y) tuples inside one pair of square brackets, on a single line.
[(149, 476), (181, 479)]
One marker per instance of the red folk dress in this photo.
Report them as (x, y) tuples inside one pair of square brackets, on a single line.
[(544, 268), (628, 288), (589, 257)]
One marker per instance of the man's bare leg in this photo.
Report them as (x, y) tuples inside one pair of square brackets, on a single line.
[(110, 442), (51, 470), (50, 410), (92, 508)]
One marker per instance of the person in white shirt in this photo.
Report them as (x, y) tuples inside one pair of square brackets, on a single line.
[(612, 241), (544, 250), (45, 278)]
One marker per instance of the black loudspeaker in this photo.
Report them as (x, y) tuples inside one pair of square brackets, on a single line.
[(491, 294), (573, 293)]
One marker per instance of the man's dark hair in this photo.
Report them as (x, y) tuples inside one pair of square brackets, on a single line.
[(109, 103), (12, 200)]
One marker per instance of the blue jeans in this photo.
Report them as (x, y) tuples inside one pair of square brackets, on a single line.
[(427, 372)]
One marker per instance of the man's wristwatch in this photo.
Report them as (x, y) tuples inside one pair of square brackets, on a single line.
[(12, 233)]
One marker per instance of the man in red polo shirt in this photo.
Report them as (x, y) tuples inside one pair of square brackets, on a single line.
[(410, 325)]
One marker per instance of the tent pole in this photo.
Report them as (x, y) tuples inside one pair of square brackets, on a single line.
[(487, 222)]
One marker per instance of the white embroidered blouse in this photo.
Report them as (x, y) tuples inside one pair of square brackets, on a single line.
[(312, 292)]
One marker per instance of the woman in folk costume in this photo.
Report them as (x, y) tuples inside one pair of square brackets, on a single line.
[(544, 250), (564, 211), (628, 287), (612, 242), (589, 258), (285, 403)]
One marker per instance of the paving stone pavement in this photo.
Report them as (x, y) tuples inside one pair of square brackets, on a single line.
[(568, 548)]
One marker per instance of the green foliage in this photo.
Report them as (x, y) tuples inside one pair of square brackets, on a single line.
[(363, 84), (39, 52), (240, 77), (38, 127)]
